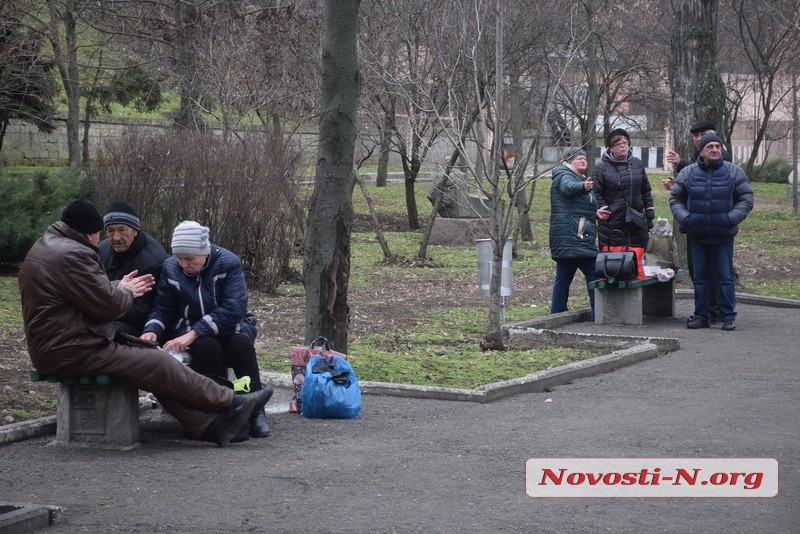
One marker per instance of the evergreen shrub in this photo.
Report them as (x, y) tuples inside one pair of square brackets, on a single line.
[(31, 204), (771, 172)]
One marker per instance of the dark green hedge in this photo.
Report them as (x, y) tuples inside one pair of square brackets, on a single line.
[(30, 204)]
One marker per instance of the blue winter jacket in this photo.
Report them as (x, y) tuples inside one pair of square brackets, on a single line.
[(212, 303), (573, 217), (710, 201)]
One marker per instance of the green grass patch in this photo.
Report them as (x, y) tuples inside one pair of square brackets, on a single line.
[(441, 349), (10, 307), (456, 365), (38, 407)]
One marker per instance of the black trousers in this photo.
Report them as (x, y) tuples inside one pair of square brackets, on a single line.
[(214, 355)]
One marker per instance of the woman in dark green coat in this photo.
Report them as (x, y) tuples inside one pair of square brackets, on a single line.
[(573, 227)]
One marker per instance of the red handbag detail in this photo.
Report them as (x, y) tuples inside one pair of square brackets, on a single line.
[(639, 251)]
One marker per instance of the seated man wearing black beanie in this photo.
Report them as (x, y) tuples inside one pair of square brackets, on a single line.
[(128, 248), (68, 308)]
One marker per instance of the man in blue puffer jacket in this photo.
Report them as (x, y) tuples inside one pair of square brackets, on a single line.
[(710, 198)]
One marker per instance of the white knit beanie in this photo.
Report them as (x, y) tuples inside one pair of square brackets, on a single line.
[(191, 239)]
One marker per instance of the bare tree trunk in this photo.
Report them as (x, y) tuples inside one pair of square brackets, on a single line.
[(697, 89), (795, 126), (523, 221), (438, 196), (412, 163), (67, 62), (493, 339), (387, 253), (389, 107), (185, 26), (588, 133), (326, 259), (89, 111), (411, 201)]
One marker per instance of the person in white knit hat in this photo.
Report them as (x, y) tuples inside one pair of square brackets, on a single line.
[(201, 308)]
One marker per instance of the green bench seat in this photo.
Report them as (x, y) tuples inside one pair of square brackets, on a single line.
[(38, 376)]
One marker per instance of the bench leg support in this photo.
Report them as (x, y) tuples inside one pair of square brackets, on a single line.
[(613, 305), (659, 299), (98, 414)]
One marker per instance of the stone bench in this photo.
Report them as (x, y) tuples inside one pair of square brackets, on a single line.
[(625, 302), (94, 410)]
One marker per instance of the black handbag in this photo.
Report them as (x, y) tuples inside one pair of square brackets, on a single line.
[(635, 219), (616, 265)]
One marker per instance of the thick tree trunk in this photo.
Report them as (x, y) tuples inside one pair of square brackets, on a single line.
[(186, 15), (326, 261), (411, 201), (697, 89), (411, 168)]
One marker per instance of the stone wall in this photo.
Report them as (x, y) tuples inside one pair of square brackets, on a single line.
[(25, 145)]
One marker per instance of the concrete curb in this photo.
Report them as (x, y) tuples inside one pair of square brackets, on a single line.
[(19, 518), (747, 298), (532, 383), (28, 429)]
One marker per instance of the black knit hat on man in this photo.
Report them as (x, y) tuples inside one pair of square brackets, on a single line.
[(616, 133), (702, 126), (83, 217), (120, 212), (708, 138)]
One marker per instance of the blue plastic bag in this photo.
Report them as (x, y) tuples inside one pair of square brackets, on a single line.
[(330, 390)]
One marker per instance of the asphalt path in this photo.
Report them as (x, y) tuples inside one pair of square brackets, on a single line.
[(422, 465)]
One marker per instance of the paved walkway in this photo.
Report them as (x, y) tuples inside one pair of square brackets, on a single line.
[(428, 465)]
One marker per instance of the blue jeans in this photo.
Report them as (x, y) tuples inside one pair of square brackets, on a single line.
[(713, 288), (565, 272), (708, 260)]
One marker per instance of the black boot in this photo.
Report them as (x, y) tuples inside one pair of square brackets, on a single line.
[(259, 428), (227, 424), (244, 433), (257, 425)]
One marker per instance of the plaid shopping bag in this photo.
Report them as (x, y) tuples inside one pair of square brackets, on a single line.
[(300, 357)]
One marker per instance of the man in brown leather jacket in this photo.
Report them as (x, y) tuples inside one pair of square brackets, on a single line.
[(69, 307)]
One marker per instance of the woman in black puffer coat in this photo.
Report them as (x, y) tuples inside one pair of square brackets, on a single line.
[(619, 181)]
